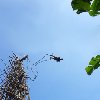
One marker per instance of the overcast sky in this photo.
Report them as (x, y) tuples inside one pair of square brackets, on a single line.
[(37, 27)]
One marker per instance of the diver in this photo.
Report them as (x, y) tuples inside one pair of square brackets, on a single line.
[(55, 58)]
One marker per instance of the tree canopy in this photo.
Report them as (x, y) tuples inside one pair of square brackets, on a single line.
[(90, 6)]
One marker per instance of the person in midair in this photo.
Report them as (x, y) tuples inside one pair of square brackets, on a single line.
[(58, 59)]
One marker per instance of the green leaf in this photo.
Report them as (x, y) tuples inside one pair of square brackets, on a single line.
[(80, 5), (95, 8), (89, 70), (92, 61)]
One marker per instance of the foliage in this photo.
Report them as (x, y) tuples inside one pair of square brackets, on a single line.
[(93, 64), (90, 6)]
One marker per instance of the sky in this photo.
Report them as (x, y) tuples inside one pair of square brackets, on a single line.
[(38, 27)]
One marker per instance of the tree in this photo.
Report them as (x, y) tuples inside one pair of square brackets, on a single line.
[(90, 6), (93, 8)]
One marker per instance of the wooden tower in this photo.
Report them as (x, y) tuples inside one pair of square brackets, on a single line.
[(14, 85)]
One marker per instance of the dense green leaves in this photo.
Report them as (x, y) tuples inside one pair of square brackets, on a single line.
[(80, 6), (90, 6), (93, 64)]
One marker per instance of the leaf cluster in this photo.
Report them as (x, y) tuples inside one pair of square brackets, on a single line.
[(90, 6), (93, 64)]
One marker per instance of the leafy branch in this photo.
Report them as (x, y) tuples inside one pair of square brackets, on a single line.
[(90, 6), (93, 64)]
